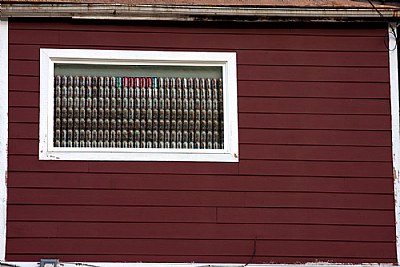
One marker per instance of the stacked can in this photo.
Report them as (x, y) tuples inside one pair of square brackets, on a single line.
[(138, 112)]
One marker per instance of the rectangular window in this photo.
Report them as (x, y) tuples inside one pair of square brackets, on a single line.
[(138, 105)]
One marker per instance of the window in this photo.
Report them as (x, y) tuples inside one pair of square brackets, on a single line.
[(138, 105)]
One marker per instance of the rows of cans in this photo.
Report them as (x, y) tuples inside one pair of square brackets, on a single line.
[(138, 112)]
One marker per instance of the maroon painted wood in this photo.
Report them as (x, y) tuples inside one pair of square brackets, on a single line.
[(186, 28), (27, 147), (226, 41), (314, 121), (315, 137), (198, 231), (202, 247), (200, 199), (192, 258), (248, 57), (314, 181), (192, 182)]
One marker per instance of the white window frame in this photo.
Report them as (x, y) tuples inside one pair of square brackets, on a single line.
[(226, 60)]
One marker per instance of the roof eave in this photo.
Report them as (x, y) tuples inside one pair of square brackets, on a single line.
[(195, 13)]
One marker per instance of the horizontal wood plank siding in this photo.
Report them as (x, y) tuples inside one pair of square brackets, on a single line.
[(106, 230), (201, 247), (192, 182), (197, 258), (263, 58), (314, 181)]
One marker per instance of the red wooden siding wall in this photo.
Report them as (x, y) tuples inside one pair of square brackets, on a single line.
[(314, 181)]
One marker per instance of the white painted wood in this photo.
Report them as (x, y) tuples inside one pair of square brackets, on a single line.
[(121, 57), (230, 109), (394, 100), (3, 133), (49, 57)]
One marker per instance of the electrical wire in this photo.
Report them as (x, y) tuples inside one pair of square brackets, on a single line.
[(254, 253), (80, 264), (392, 30), (8, 264)]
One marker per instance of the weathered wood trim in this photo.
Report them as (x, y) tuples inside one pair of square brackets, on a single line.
[(3, 133), (194, 13)]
